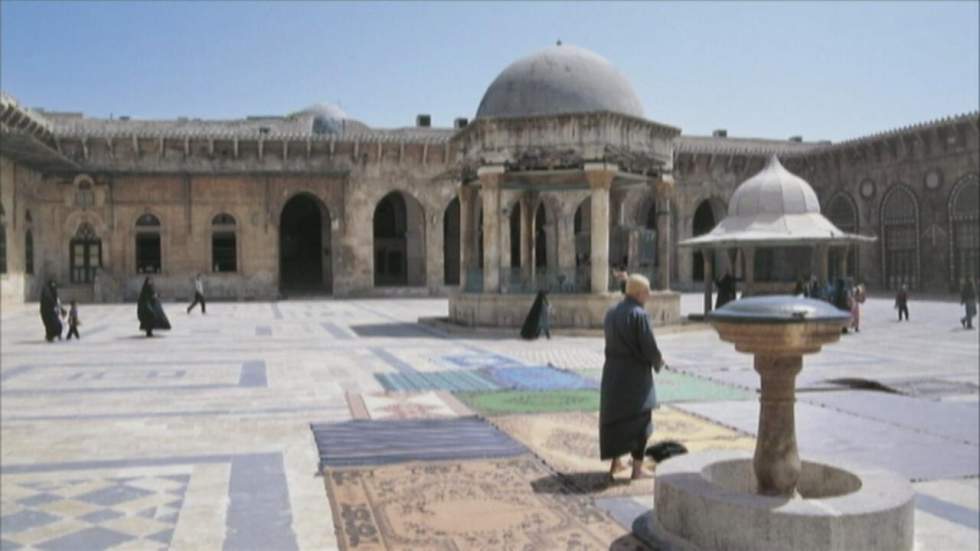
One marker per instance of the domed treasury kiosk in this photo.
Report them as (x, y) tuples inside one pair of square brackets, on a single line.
[(773, 236), (558, 147)]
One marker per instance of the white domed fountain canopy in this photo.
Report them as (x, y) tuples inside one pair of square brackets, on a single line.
[(774, 208), (559, 80)]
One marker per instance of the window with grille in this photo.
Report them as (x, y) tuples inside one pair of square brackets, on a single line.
[(3, 249), (84, 254), (148, 248), (28, 253), (224, 252)]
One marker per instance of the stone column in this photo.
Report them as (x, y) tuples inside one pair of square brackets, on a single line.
[(709, 278), (527, 237), (777, 461), (467, 238), (663, 189), (748, 253), (490, 196), (823, 252), (842, 262), (600, 177)]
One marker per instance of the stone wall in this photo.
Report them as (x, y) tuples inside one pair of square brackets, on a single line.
[(16, 184)]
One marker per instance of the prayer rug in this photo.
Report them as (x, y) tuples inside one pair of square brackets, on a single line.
[(673, 386), (402, 405), (511, 503), (515, 401), (569, 443), (453, 381), (537, 378), (362, 442)]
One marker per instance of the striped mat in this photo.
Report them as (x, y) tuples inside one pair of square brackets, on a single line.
[(453, 381), (537, 378), (368, 443)]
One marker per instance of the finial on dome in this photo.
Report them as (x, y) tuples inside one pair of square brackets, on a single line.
[(558, 43)]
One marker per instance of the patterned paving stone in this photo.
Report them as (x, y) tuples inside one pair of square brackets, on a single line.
[(25, 520), (102, 515), (113, 495), (90, 539)]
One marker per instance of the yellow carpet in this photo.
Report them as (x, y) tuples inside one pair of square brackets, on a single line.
[(569, 443), (515, 503)]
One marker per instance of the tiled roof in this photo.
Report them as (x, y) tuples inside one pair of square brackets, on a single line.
[(740, 146)]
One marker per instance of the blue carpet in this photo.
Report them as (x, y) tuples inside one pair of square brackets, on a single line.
[(453, 381), (363, 442), (479, 359), (537, 378)]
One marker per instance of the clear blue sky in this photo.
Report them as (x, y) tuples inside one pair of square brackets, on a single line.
[(826, 70)]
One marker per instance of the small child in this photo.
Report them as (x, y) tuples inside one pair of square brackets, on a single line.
[(73, 322)]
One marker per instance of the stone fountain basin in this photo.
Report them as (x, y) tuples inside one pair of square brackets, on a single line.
[(707, 501)]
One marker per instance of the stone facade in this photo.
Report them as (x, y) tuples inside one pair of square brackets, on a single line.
[(70, 173)]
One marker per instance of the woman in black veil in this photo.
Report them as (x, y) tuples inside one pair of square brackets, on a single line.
[(149, 310), (51, 311), (538, 319)]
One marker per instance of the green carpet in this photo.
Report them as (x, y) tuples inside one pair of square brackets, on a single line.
[(507, 401), (680, 387)]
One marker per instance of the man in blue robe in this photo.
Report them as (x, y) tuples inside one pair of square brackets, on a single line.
[(628, 395)]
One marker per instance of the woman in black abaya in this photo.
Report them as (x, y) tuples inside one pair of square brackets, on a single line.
[(149, 310), (538, 319), (51, 312)]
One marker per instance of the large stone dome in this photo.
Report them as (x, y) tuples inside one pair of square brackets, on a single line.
[(558, 80), (774, 191)]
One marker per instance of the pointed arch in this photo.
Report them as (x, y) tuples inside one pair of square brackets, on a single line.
[(451, 242), (900, 237), (963, 212)]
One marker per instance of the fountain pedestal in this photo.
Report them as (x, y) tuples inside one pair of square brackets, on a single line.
[(722, 500)]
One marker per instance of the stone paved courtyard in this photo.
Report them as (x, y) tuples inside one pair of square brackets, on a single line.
[(201, 438)]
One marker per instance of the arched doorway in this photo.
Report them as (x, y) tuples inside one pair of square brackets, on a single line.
[(842, 213), (399, 239), (704, 222), (964, 220), (304, 246), (450, 243), (582, 228), (900, 229)]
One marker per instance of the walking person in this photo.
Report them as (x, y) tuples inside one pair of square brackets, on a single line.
[(841, 299), (149, 310), (198, 295), (538, 320), (627, 395), (902, 302), (73, 321), (51, 311), (968, 298), (727, 289), (857, 299)]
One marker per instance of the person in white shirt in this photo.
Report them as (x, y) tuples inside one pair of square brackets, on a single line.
[(198, 295)]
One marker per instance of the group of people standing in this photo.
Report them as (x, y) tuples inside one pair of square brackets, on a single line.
[(149, 310), (842, 293)]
